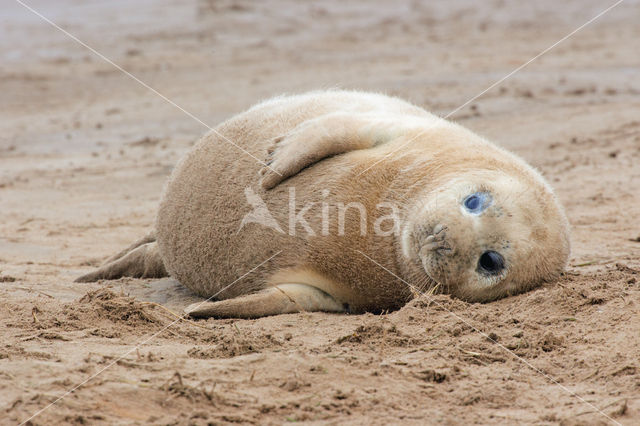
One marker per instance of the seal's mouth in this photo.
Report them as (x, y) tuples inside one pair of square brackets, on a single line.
[(427, 248), (426, 268), (431, 247)]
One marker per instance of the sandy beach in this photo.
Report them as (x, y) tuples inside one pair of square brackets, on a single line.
[(85, 150)]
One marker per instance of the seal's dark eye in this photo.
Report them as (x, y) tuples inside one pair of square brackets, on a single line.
[(491, 262), (477, 202)]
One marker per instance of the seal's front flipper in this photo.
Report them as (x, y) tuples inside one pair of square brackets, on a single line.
[(144, 261), (281, 299), (323, 137)]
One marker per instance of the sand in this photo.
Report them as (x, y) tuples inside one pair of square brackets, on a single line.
[(85, 151)]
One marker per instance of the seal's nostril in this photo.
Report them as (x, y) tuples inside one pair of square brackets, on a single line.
[(436, 242)]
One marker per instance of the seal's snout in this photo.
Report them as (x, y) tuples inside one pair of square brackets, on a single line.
[(436, 241)]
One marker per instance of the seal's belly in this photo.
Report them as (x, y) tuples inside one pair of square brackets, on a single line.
[(205, 236), (222, 234), (202, 239)]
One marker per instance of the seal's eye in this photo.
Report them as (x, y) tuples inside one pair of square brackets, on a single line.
[(491, 262), (472, 202), (477, 202)]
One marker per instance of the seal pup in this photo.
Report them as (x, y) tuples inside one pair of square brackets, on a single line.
[(359, 194)]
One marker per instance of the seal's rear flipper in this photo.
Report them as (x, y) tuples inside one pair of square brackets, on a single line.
[(143, 261), (149, 238), (281, 299)]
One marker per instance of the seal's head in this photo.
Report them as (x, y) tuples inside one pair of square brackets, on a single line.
[(486, 234)]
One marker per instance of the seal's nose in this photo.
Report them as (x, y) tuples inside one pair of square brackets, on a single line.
[(438, 229), (437, 241)]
